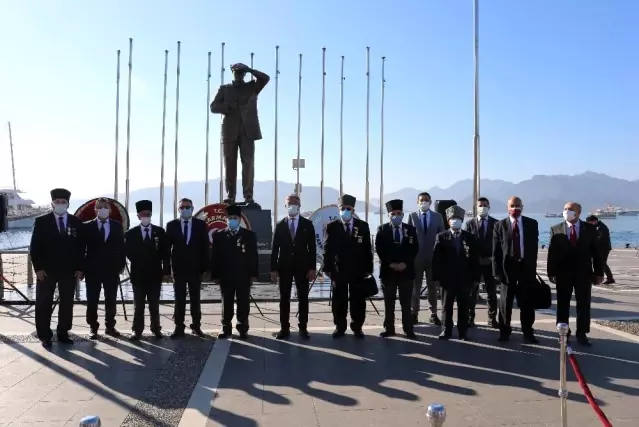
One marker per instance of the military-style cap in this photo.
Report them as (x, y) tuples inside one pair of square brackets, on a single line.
[(395, 205), (60, 193), (234, 210), (144, 205), (346, 200), (455, 212)]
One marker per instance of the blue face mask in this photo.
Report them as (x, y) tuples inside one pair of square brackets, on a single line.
[(397, 219), (455, 224), (186, 213), (346, 215), (234, 224)]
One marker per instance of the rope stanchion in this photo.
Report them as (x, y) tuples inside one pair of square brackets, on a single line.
[(586, 390)]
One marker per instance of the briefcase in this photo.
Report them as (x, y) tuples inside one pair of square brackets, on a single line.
[(370, 287), (540, 294)]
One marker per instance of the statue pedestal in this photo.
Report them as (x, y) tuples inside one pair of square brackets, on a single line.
[(261, 223)]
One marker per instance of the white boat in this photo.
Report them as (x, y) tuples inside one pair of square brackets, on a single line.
[(22, 211), (553, 215)]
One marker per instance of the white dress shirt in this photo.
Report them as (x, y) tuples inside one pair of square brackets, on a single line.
[(143, 230), (521, 234), (107, 227), (65, 220)]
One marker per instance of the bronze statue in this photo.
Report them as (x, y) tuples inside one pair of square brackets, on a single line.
[(237, 101)]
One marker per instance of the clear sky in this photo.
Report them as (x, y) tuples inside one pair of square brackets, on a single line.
[(558, 79)]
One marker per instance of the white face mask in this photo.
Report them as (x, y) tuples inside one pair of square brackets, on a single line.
[(482, 211), (569, 215), (455, 224), (293, 210), (103, 213), (145, 221), (60, 208), (424, 206)]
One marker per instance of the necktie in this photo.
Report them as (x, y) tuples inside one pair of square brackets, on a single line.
[(186, 232), (516, 242), (347, 228), (482, 232), (102, 231), (61, 226), (425, 223), (397, 235), (573, 236), (291, 227), (147, 236)]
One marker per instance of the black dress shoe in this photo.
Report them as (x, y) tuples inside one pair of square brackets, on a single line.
[(304, 334), (64, 339), (358, 333), (283, 334), (415, 318), (492, 323), (503, 338), (435, 320), (338, 333), (224, 335), (583, 340), (445, 336), (94, 334), (386, 334), (177, 333), (410, 335), (136, 336), (464, 337), (530, 339), (47, 343), (112, 332), (243, 335), (196, 330), (471, 322), (158, 335)]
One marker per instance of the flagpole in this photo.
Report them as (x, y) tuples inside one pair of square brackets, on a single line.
[(221, 142), (341, 131), (117, 128), (252, 76), (166, 72), (476, 175), (368, 108), (128, 129), (177, 122), (275, 186), (299, 124), (322, 132), (208, 120), (381, 166)]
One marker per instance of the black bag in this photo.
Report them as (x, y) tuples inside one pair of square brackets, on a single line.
[(541, 295), (370, 287)]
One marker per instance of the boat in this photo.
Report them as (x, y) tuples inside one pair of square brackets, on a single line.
[(627, 212), (22, 211), (608, 212), (552, 215)]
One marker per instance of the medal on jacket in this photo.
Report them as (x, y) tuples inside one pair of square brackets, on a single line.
[(243, 249), (157, 241)]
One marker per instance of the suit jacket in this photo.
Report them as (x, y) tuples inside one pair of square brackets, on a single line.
[(603, 238), (348, 256), (104, 259), (390, 252), (485, 240), (294, 256), (582, 261), (455, 264), (504, 263), (149, 260), (57, 253), (243, 118), (426, 239), (190, 260), (234, 258)]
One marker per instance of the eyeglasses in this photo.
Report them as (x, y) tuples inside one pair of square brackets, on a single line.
[(345, 208)]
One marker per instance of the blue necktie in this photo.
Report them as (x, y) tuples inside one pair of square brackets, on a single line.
[(186, 232), (397, 235), (424, 223), (61, 226)]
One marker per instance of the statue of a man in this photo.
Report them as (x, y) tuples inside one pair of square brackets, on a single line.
[(237, 101)]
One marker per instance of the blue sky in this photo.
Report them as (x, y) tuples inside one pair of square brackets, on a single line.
[(558, 86)]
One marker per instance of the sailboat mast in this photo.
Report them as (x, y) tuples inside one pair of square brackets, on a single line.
[(13, 165)]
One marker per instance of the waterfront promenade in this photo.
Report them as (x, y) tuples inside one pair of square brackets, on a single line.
[(320, 382)]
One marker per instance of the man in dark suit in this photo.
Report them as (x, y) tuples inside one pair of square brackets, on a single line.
[(57, 254), (604, 245), (482, 228), (234, 265), (188, 243), (105, 260), (456, 270), (237, 101), (574, 262), (515, 249), (293, 256), (348, 260), (147, 249), (396, 246)]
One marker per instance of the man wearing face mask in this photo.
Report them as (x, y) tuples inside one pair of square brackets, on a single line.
[(188, 242), (515, 249), (603, 244), (57, 255), (234, 265), (482, 228), (396, 246), (105, 260), (573, 264), (456, 270), (293, 256), (348, 260), (148, 251), (428, 224)]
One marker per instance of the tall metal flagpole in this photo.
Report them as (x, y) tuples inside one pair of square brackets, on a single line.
[(476, 175), (177, 122), (275, 186), (381, 166), (252, 76), (341, 131), (299, 124), (166, 72), (208, 120), (221, 145), (323, 107), (368, 111), (128, 129), (117, 129), (13, 165)]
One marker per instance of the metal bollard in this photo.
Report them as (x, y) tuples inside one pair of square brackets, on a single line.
[(436, 414), (90, 421), (563, 328)]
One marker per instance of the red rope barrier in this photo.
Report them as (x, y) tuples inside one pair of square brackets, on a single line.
[(586, 390)]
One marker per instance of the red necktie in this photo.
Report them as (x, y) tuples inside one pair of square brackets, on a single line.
[(516, 241), (573, 236)]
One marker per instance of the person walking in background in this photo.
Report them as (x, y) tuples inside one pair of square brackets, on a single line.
[(428, 224), (604, 245)]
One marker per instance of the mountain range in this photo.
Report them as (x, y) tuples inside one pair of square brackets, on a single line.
[(540, 194)]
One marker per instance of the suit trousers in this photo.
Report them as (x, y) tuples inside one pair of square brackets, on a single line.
[(148, 291), (193, 284), (240, 289), (517, 287), (424, 268), (285, 286), (607, 270), (246, 147), (491, 290), (347, 291), (45, 291), (390, 288), (450, 294), (95, 283), (583, 291)]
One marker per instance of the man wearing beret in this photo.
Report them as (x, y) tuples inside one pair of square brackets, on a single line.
[(396, 246), (348, 260), (148, 251), (57, 254), (234, 266), (456, 270)]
